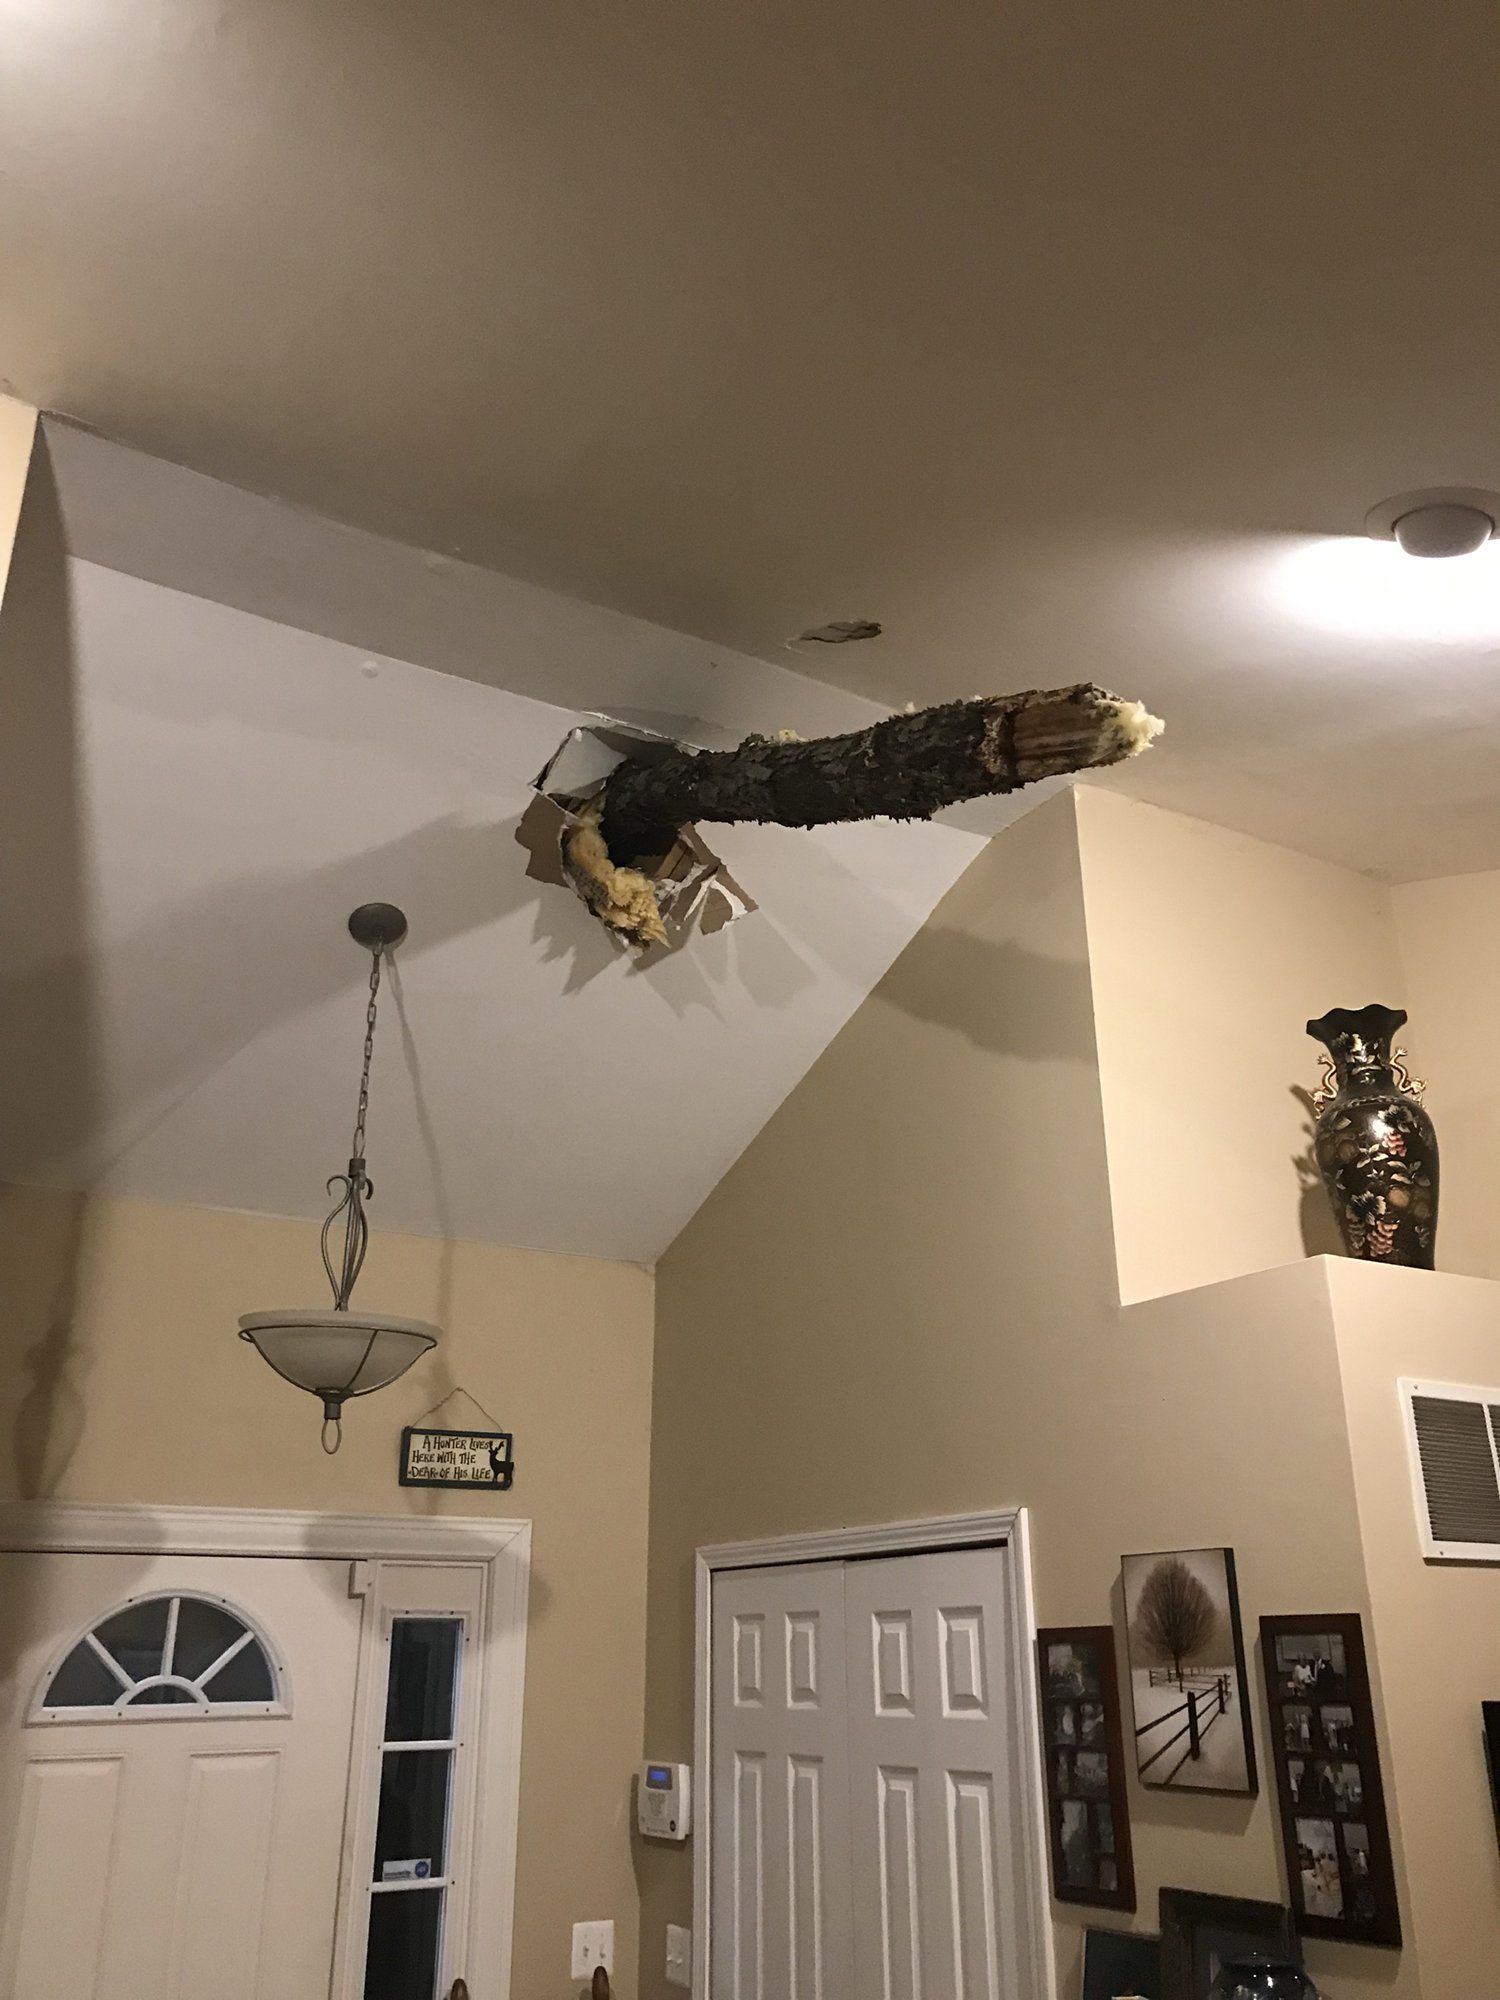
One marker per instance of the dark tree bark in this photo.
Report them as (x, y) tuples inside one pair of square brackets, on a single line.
[(905, 767)]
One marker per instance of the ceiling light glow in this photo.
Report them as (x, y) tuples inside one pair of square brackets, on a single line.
[(1373, 589)]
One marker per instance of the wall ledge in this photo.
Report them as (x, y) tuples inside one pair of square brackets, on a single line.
[(1303, 1277), (1352, 1277), (1346, 1281)]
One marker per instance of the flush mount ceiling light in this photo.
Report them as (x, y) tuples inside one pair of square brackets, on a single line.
[(339, 1354), (1392, 583), (1437, 520)]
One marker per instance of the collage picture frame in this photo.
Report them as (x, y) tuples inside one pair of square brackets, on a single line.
[(1083, 1754), (1332, 1799)]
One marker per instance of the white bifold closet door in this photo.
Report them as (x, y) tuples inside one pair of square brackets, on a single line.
[(781, 1878), (864, 1778)]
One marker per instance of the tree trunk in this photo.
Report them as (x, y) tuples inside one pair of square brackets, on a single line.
[(905, 767)]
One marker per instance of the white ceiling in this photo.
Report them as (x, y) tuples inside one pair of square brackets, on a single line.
[(196, 797), (1067, 340), (1054, 336)]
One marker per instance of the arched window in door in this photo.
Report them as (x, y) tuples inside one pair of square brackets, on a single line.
[(164, 1656)]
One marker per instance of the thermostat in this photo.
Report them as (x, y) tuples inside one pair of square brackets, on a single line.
[(664, 1801)]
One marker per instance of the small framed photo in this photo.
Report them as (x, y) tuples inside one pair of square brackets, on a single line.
[(1199, 1934), (1333, 1824), (1083, 1759), (1491, 1712), (1188, 1686), (1116, 1962)]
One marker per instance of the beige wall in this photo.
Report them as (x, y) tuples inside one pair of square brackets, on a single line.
[(121, 1379), (1450, 942), (901, 1301), (17, 434), (1436, 1625), (1209, 953)]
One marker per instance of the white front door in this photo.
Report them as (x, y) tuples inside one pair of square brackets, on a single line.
[(865, 1782), (173, 1774)]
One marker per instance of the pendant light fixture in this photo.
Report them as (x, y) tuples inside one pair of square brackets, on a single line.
[(342, 1353)]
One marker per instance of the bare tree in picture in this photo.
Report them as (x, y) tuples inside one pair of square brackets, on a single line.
[(1175, 1614)]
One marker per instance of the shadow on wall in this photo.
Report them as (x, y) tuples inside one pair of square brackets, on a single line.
[(47, 1035), (190, 964), (1315, 1217), (957, 980), (49, 1415), (969, 969)]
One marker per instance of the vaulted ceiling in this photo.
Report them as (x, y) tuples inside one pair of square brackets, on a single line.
[(1066, 340), (226, 725)]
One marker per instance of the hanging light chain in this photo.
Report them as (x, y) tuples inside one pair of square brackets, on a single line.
[(355, 1186), (358, 1149)]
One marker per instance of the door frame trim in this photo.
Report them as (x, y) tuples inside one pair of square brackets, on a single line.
[(64, 1527), (28, 1526), (943, 1531)]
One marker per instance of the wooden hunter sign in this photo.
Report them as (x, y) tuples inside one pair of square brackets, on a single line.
[(457, 1458)]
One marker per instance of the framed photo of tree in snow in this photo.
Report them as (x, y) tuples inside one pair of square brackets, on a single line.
[(1188, 1686)]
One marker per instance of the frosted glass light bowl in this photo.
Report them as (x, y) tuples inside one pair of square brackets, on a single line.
[(336, 1355)]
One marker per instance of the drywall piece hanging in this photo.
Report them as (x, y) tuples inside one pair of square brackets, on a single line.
[(684, 889), (629, 803)]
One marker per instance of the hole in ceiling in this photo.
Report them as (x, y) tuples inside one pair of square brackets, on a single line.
[(840, 631)]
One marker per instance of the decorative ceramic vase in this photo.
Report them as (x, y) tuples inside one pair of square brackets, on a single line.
[(1374, 1144), (1261, 1979)]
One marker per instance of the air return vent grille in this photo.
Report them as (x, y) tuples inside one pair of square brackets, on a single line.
[(1455, 1439)]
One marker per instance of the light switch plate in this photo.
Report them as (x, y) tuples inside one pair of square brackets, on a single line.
[(679, 1956), (593, 1944)]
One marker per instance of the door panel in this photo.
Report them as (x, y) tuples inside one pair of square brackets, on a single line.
[(61, 1876), (938, 1899), (780, 1786), (169, 1850), (900, 1940), (222, 1873)]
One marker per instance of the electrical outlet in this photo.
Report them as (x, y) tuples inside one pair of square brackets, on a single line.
[(679, 1956), (593, 1944)]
